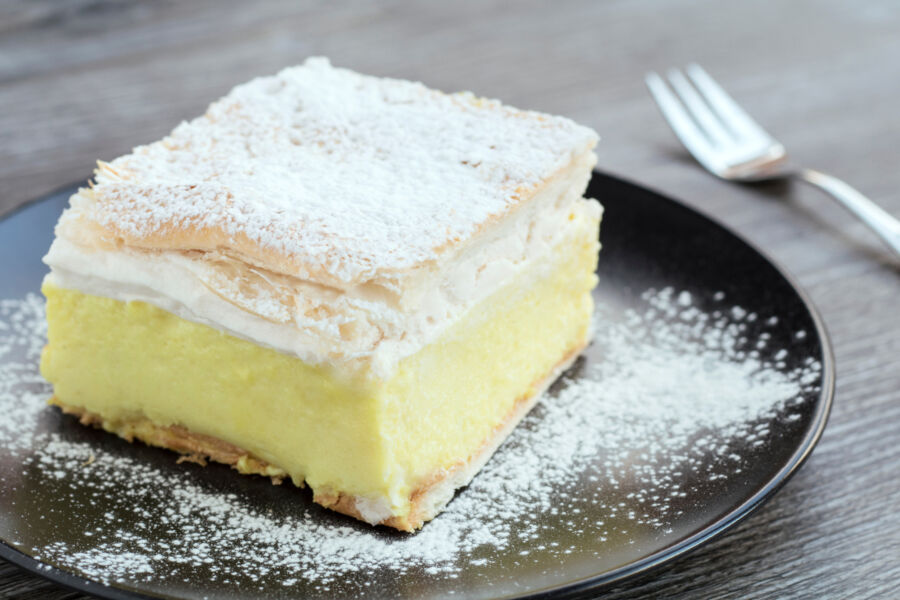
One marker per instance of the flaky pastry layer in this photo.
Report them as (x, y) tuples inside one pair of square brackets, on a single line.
[(330, 176)]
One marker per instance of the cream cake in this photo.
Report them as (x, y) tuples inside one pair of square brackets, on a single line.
[(354, 283)]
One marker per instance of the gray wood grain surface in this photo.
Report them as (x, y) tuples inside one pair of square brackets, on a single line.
[(88, 79)]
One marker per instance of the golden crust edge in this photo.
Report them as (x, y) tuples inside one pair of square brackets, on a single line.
[(426, 501)]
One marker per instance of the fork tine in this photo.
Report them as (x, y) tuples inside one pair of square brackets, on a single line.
[(680, 122), (698, 108), (729, 111)]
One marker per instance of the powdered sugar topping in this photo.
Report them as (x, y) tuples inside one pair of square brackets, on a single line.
[(337, 172)]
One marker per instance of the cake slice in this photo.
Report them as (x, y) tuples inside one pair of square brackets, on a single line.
[(354, 283)]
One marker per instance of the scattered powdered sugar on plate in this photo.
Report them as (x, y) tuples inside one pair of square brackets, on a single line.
[(670, 398), (23, 392)]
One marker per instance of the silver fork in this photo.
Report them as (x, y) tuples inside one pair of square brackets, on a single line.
[(731, 145)]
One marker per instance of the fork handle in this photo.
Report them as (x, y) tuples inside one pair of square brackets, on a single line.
[(879, 220)]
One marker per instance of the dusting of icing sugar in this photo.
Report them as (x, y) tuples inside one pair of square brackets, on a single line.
[(23, 392), (344, 174), (673, 398)]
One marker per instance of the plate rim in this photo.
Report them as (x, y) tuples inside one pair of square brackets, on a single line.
[(633, 570)]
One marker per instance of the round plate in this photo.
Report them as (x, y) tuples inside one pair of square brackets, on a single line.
[(650, 242)]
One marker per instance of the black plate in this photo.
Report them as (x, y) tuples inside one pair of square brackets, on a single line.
[(650, 241)]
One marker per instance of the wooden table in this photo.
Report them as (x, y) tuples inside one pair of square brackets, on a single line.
[(88, 79)]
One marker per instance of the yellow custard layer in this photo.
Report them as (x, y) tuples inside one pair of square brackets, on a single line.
[(363, 436)]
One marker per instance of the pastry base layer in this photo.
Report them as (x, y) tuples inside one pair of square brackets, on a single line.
[(388, 451)]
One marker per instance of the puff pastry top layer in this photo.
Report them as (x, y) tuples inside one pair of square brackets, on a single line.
[(328, 175)]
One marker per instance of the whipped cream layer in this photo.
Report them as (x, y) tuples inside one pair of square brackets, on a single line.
[(369, 327)]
